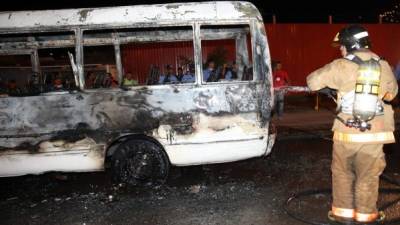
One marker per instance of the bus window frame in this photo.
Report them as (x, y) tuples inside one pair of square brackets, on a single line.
[(36, 67), (251, 25), (118, 41)]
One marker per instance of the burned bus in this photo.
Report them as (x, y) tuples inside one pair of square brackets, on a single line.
[(68, 102)]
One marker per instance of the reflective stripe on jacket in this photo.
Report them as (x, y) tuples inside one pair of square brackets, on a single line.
[(382, 137)]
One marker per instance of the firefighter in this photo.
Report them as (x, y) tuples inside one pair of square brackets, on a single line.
[(357, 158)]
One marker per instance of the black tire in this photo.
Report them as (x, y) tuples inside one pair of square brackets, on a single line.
[(140, 162)]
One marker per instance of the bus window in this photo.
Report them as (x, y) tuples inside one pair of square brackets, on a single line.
[(99, 67), (56, 69), (15, 73), (99, 60), (43, 66), (163, 56), (226, 52)]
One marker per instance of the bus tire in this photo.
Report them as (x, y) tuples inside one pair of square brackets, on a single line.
[(140, 163)]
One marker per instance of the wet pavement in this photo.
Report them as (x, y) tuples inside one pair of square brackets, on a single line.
[(246, 192)]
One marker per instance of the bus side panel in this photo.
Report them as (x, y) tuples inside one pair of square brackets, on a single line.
[(174, 115), (227, 127)]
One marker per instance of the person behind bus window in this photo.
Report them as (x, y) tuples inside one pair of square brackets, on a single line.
[(12, 88), (108, 81), (130, 80), (180, 74), (57, 83), (33, 86), (90, 79), (188, 77), (230, 72), (209, 73), (168, 77), (70, 83)]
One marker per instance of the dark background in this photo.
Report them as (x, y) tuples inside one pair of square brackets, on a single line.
[(286, 11)]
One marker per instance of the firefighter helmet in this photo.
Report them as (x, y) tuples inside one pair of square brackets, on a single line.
[(353, 37)]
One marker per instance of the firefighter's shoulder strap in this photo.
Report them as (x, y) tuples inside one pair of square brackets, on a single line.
[(357, 60)]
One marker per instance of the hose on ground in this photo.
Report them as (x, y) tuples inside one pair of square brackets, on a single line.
[(307, 193)]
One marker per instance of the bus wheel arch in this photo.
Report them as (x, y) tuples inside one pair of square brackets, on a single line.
[(138, 160)]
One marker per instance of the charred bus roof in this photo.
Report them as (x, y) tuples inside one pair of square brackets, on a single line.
[(139, 15)]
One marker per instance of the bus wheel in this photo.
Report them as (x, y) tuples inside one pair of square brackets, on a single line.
[(140, 162)]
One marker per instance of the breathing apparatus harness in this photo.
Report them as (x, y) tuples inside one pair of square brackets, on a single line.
[(363, 102)]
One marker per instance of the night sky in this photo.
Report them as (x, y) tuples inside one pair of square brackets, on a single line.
[(286, 11)]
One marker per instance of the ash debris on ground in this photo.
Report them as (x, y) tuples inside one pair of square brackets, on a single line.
[(232, 193), (246, 192)]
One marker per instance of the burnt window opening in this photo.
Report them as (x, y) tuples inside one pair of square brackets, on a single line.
[(158, 56), (159, 63), (56, 71), (34, 63), (15, 74), (148, 56), (100, 67), (226, 53)]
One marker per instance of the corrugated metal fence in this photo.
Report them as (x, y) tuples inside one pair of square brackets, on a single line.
[(303, 48)]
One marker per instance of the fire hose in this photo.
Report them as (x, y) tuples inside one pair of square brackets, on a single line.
[(314, 192), (327, 191)]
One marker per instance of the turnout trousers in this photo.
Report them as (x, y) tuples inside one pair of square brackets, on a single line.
[(356, 168)]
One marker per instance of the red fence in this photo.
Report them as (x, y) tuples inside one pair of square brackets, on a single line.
[(301, 48)]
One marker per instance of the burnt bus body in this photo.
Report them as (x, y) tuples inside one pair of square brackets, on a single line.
[(141, 130)]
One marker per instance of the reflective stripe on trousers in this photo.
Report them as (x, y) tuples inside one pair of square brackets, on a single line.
[(351, 214), (363, 138), (342, 212), (366, 217)]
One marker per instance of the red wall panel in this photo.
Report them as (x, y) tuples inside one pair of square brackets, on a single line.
[(302, 48)]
